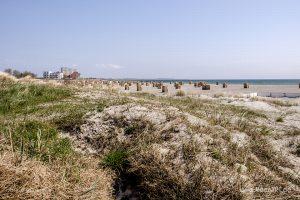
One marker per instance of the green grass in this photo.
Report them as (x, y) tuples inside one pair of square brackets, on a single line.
[(22, 98), (265, 130), (216, 154), (209, 106), (105, 102), (116, 160), (71, 120), (37, 139), (102, 105)]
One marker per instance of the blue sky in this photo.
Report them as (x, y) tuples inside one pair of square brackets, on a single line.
[(193, 39)]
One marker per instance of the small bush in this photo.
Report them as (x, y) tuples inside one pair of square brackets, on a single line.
[(180, 93), (116, 160)]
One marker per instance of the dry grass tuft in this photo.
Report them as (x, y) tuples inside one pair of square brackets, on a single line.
[(6, 79), (30, 179)]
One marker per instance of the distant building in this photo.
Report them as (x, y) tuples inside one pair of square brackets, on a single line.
[(65, 73), (74, 75), (53, 75), (69, 73), (46, 74)]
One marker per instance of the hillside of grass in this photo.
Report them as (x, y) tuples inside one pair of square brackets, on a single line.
[(37, 161), (77, 141)]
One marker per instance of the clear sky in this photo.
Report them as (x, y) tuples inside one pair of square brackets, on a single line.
[(196, 39)]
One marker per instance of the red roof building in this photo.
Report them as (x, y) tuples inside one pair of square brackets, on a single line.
[(74, 75)]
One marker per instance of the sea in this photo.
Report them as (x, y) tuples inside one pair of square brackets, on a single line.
[(233, 81)]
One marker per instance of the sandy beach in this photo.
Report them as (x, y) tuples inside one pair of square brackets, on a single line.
[(231, 90)]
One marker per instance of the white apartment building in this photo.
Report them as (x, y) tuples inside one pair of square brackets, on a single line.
[(53, 75)]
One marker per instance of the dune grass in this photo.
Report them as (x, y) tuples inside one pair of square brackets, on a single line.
[(116, 159), (23, 98), (36, 139), (32, 147), (171, 160)]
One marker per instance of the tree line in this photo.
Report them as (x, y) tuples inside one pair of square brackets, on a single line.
[(19, 74)]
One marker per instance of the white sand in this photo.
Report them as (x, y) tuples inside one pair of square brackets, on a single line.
[(232, 89)]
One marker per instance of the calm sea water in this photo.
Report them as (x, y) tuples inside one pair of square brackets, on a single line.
[(239, 81)]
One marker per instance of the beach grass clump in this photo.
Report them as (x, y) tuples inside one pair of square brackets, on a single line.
[(107, 102), (101, 105), (6, 80), (18, 98), (116, 159), (190, 150), (71, 120), (216, 154), (159, 181), (264, 130), (283, 103), (180, 93), (37, 139), (77, 177)]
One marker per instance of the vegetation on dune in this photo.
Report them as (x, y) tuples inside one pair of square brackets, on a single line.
[(31, 146), (245, 120), (77, 177), (23, 98), (105, 103), (37, 139), (155, 147), (116, 159), (71, 120), (283, 103)]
